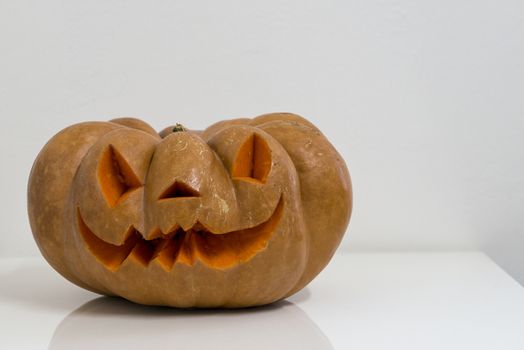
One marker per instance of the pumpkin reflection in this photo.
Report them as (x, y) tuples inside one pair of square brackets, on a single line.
[(110, 323)]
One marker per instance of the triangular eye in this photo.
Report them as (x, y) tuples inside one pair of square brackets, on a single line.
[(179, 190), (253, 160), (116, 177)]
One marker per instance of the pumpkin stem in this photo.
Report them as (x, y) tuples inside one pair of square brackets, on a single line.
[(179, 127)]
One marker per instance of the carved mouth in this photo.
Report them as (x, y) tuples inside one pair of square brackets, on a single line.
[(185, 247)]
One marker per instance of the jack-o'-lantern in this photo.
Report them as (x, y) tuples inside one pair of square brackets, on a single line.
[(243, 213)]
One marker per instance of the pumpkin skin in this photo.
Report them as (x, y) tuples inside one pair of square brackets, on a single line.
[(244, 213)]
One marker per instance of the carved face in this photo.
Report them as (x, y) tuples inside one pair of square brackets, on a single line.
[(241, 214), (180, 200)]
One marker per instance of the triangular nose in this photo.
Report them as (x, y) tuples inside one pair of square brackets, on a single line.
[(179, 189)]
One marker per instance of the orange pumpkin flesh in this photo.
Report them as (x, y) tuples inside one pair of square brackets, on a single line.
[(243, 213), (116, 177)]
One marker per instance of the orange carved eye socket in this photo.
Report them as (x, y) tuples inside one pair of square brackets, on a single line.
[(252, 161), (115, 176), (179, 190)]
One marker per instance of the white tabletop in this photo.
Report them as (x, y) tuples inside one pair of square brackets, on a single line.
[(361, 301)]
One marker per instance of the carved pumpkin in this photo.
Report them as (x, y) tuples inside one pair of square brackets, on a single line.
[(243, 213)]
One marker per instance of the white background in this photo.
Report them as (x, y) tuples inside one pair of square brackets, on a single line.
[(424, 100)]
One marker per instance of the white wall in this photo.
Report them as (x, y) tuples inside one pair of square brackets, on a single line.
[(423, 99)]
